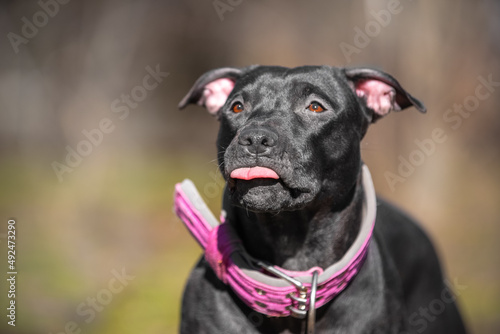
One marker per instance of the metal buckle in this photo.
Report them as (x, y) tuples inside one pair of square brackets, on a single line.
[(299, 310)]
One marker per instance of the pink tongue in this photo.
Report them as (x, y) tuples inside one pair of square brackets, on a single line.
[(254, 173)]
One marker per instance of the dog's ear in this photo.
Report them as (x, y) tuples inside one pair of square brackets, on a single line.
[(212, 89), (380, 92)]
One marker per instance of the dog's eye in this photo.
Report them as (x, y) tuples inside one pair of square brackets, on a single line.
[(237, 107), (316, 107)]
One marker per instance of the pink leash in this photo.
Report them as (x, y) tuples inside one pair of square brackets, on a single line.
[(269, 289)]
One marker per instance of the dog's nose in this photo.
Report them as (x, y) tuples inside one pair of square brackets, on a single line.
[(257, 140)]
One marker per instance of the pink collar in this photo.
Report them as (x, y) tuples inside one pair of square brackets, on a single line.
[(265, 288)]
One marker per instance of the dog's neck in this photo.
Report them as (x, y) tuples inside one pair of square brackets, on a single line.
[(301, 239)]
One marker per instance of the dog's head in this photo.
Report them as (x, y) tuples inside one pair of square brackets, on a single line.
[(290, 137)]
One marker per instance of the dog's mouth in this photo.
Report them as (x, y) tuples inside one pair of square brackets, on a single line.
[(261, 188), (261, 176), (249, 177)]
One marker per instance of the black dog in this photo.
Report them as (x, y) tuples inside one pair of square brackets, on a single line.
[(301, 206)]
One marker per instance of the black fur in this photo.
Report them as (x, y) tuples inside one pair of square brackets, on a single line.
[(311, 215)]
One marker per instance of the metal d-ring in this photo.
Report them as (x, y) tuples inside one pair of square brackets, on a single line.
[(311, 319), (300, 311)]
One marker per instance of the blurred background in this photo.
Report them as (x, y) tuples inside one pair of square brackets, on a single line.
[(92, 143)]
